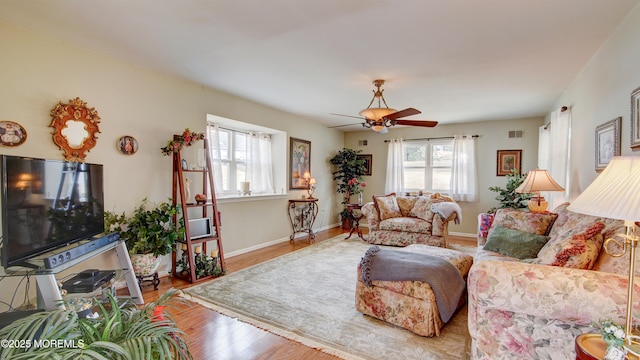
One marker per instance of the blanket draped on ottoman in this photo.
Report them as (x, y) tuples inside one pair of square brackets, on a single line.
[(391, 265)]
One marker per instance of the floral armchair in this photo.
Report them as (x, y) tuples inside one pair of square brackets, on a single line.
[(404, 220)]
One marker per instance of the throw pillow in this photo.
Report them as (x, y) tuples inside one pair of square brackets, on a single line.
[(422, 209), (573, 248), (515, 243), (535, 223), (405, 203), (387, 206)]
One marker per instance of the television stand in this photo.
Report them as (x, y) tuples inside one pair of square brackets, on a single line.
[(49, 297)]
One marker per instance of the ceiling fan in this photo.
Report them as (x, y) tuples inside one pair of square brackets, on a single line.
[(379, 119)]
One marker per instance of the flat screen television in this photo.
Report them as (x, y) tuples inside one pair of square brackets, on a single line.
[(48, 204)]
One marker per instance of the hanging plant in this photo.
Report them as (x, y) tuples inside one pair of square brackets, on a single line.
[(187, 138)]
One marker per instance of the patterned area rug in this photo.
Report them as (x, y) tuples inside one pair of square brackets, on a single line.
[(309, 296)]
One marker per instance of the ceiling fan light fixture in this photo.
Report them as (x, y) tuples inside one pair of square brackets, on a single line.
[(378, 126), (377, 113)]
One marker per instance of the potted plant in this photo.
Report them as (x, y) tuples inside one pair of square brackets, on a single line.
[(508, 197), (115, 332), (149, 232), (349, 169)]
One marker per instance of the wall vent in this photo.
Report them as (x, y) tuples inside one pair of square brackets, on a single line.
[(515, 134), (362, 143)]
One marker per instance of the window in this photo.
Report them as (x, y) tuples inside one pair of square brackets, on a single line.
[(243, 152), (427, 165), (232, 158)]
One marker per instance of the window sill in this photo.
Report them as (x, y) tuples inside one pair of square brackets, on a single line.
[(233, 199)]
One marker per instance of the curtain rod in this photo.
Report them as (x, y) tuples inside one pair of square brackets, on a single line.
[(434, 138)]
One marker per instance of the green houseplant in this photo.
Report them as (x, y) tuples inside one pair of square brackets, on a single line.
[(149, 232), (118, 332), (508, 197), (349, 169)]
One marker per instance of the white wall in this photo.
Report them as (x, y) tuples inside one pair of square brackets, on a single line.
[(493, 136), (600, 93), (37, 72)]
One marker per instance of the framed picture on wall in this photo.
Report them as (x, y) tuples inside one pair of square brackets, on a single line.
[(635, 118), (299, 162), (508, 161), (607, 142), (368, 158)]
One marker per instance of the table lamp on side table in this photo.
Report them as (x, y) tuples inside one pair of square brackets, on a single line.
[(538, 180), (615, 194)]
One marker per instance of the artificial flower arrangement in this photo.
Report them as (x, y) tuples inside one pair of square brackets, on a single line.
[(612, 332), (187, 138)]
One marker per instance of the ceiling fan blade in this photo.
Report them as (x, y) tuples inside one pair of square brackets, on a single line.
[(337, 126), (403, 113), (351, 116), (424, 123)]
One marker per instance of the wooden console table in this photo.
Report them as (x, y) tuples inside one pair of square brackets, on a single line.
[(302, 214)]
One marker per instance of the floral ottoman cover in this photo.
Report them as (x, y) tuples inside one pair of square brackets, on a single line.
[(409, 304)]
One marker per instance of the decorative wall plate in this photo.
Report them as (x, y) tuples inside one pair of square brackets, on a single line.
[(12, 133), (127, 145)]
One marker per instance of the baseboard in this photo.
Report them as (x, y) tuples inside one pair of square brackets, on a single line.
[(462, 234), (274, 242)]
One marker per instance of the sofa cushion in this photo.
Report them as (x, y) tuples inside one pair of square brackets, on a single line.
[(405, 203), (515, 243), (387, 206), (534, 223), (406, 224)]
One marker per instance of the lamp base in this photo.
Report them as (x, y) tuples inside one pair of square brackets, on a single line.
[(538, 204)]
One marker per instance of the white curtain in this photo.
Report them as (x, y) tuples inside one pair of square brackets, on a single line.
[(259, 163), (554, 154), (464, 184), (395, 174), (215, 155)]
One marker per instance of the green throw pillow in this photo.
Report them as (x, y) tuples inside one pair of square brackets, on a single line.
[(515, 243)]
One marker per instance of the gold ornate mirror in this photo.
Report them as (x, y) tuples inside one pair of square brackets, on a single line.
[(74, 128)]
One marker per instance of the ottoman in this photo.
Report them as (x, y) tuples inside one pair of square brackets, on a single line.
[(409, 304)]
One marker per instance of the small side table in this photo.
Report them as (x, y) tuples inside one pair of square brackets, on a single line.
[(590, 347), (355, 211), (302, 214)]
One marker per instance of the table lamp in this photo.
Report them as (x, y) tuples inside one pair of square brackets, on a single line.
[(310, 183), (538, 180), (615, 194)]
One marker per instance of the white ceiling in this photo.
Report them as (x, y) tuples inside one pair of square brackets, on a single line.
[(455, 60)]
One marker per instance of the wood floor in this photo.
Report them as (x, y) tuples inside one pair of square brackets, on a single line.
[(215, 336)]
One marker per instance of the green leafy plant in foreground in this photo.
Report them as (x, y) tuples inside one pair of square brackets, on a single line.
[(119, 332)]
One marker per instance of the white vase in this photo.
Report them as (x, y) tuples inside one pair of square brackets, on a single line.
[(614, 353), (359, 198), (145, 264)]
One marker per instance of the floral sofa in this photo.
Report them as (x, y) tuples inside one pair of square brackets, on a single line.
[(533, 307), (404, 220)]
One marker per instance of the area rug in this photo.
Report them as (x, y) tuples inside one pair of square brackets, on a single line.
[(309, 296)]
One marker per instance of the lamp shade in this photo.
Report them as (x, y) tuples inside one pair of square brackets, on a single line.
[(615, 193), (538, 180)]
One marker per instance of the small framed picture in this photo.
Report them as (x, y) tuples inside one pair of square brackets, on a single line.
[(185, 165), (127, 145), (508, 161), (607, 142), (635, 118)]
